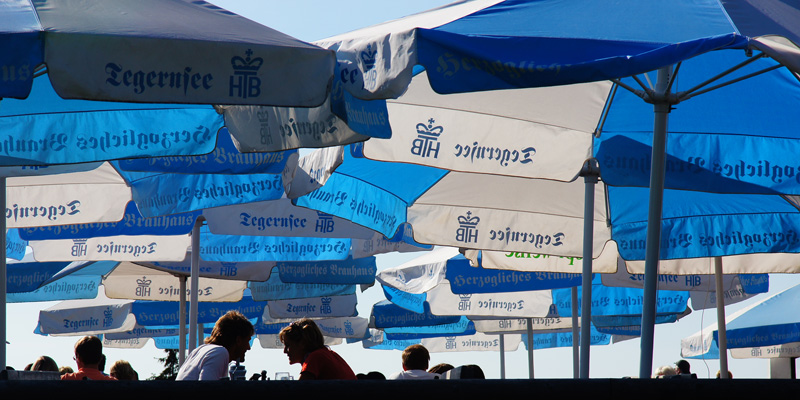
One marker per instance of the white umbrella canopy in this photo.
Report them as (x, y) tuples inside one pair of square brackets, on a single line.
[(765, 329)]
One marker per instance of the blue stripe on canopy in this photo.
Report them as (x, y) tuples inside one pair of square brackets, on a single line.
[(100, 130), (502, 47), (698, 224), (736, 139), (372, 193)]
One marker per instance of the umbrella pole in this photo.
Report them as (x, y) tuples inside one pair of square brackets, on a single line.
[(502, 356), (576, 334), (661, 108), (182, 323), (530, 347), (721, 329), (194, 284), (3, 280), (590, 178)]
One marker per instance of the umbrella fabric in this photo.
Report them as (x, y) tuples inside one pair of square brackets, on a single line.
[(762, 330), (545, 217), (127, 280), (144, 52)]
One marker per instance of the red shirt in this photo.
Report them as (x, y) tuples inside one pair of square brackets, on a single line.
[(324, 363), (91, 374)]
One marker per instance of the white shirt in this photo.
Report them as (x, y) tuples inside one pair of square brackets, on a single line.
[(209, 362), (413, 374)]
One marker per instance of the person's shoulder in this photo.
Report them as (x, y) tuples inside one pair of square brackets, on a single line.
[(72, 376), (395, 376)]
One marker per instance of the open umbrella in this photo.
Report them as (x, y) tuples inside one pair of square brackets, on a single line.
[(763, 329), (478, 46), (154, 52)]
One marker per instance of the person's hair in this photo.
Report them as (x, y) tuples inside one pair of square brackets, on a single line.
[(440, 368), (416, 356), (28, 367), (472, 371), (229, 328), (44, 363), (89, 349), (665, 370), (123, 371), (683, 367), (719, 374), (305, 332), (65, 370)]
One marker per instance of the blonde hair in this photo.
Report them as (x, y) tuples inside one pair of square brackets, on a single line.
[(123, 371)]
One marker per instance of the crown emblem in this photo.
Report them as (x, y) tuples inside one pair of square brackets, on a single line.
[(368, 57), (247, 64), (326, 300), (465, 297), (429, 130), (143, 282), (322, 215), (468, 219), (108, 312), (228, 264)]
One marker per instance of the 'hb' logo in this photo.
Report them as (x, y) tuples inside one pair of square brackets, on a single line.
[(245, 81)]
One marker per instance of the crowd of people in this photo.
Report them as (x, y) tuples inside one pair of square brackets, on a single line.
[(91, 363), (303, 343), (229, 341)]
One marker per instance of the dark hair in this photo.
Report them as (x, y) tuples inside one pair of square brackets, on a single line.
[(683, 367), (472, 371), (89, 349), (229, 327), (416, 356), (440, 368), (44, 363), (305, 332)]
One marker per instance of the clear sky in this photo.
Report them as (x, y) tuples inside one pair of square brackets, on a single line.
[(311, 20)]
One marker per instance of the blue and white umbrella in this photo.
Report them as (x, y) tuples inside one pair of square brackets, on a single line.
[(766, 329), (153, 52), (489, 45)]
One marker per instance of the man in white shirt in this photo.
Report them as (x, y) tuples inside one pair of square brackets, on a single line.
[(229, 340), (415, 364)]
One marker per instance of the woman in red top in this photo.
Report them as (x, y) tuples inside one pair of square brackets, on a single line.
[(303, 343)]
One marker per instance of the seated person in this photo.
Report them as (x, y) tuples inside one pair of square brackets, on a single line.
[(229, 340), (123, 371), (303, 343), (88, 355), (415, 364)]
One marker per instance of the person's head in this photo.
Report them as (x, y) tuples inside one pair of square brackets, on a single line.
[(665, 370), (683, 367), (300, 338), (472, 371), (123, 371), (416, 356), (65, 370), (44, 363), (719, 374), (88, 351), (233, 332), (440, 368)]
